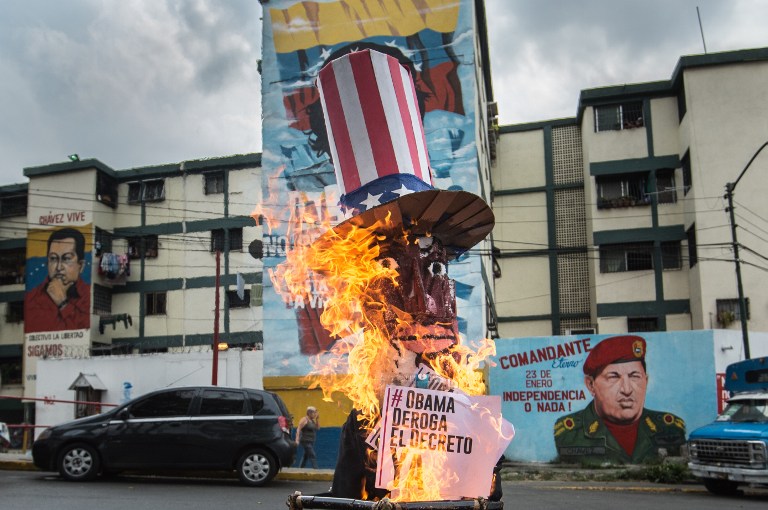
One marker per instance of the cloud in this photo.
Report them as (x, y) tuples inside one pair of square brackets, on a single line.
[(130, 83), (147, 82), (543, 53)]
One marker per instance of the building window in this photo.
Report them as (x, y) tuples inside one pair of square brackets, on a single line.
[(155, 303), (15, 205), (102, 242), (153, 350), (693, 256), (670, 255), (134, 193), (728, 311), (665, 186), (234, 300), (146, 191), (626, 190), (116, 349), (145, 244), (10, 370), (617, 258), (235, 239), (102, 300), (617, 117), (12, 263), (642, 324), (687, 177), (106, 190), (214, 182), (14, 312)]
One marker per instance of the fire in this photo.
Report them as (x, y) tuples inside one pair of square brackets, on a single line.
[(348, 271), (364, 358), (424, 475)]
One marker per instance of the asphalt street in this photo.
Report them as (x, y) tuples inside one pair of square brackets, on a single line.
[(25, 490)]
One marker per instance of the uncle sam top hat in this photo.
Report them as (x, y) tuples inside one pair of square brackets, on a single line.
[(380, 155)]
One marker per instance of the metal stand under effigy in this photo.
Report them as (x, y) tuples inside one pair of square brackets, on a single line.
[(297, 501)]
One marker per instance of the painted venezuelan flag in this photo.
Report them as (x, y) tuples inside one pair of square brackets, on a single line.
[(305, 25)]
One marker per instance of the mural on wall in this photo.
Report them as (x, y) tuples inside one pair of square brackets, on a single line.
[(622, 399), (57, 301), (434, 39)]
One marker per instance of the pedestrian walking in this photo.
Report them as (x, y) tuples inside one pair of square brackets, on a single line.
[(306, 434)]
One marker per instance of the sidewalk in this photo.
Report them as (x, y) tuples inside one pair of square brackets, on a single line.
[(16, 460), (21, 461)]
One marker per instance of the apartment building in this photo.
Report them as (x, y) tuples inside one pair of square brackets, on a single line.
[(161, 243), (616, 220)]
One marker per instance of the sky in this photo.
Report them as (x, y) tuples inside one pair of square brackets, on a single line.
[(137, 83)]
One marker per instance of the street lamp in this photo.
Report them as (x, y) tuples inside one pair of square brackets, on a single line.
[(729, 189)]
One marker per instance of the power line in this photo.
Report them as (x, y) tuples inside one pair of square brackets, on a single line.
[(744, 207)]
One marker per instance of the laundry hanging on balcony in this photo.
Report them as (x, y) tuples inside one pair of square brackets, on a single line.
[(114, 266)]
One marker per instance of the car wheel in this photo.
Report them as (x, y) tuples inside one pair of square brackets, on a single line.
[(78, 462), (721, 487), (256, 467)]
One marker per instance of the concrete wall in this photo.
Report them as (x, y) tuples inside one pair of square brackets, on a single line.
[(665, 126), (726, 122), (521, 226), (148, 372)]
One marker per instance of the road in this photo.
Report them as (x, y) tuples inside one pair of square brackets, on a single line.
[(32, 490)]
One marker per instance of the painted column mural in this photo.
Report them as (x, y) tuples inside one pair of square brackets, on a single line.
[(434, 39), (57, 300), (622, 399)]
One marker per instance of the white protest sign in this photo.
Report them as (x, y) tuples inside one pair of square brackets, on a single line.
[(424, 377), (450, 440)]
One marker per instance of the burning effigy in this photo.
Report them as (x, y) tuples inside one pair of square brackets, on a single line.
[(421, 428)]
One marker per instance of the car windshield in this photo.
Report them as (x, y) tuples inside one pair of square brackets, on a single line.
[(746, 411)]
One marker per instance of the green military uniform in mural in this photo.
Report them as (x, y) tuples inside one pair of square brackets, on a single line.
[(583, 436), (616, 427)]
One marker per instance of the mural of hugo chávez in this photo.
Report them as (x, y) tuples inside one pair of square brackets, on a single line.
[(63, 300), (615, 426)]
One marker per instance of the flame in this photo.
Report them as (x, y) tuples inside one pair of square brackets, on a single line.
[(348, 271), (421, 476), (361, 362)]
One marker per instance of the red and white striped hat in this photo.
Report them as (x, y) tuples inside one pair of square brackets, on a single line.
[(380, 153)]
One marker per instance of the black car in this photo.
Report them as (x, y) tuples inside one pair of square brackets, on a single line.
[(194, 428)]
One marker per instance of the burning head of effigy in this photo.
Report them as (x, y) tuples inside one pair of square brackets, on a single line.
[(420, 305)]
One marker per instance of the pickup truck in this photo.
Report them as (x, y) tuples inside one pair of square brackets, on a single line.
[(733, 450)]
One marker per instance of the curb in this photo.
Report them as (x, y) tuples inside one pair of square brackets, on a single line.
[(284, 474), (17, 465), (320, 475)]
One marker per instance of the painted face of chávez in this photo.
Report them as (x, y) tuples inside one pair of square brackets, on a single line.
[(619, 391)]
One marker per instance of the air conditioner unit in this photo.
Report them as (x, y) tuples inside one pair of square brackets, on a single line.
[(581, 331)]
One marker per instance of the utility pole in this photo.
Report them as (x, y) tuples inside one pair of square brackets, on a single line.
[(742, 305), (730, 187), (215, 370)]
